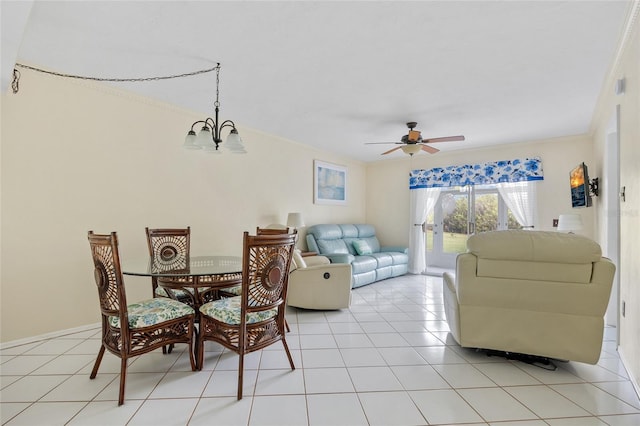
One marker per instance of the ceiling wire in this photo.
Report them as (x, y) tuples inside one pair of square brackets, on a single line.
[(15, 84)]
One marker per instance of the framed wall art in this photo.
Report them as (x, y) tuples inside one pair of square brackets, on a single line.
[(329, 183)]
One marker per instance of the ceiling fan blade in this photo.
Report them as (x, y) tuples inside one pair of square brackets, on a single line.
[(391, 150), (430, 149), (383, 143), (445, 139)]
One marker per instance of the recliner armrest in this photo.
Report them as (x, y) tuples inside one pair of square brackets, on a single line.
[(316, 260), (340, 258), (404, 250)]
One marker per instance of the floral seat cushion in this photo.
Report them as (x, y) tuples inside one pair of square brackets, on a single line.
[(179, 292), (161, 292), (237, 290), (229, 311), (152, 312)]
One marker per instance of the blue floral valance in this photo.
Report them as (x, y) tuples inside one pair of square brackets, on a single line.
[(517, 170)]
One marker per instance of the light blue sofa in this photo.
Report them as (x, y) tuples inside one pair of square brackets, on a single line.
[(358, 246)]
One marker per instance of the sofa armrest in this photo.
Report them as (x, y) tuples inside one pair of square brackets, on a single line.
[(320, 287), (466, 267), (316, 260), (602, 280), (340, 257), (449, 281), (399, 249)]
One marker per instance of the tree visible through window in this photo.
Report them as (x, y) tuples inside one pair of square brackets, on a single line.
[(455, 220), (486, 216)]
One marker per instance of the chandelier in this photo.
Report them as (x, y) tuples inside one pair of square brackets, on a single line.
[(209, 138)]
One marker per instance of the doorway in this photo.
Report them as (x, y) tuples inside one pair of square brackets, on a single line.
[(612, 213), (460, 212)]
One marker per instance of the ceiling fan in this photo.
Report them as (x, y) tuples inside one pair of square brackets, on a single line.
[(412, 143)]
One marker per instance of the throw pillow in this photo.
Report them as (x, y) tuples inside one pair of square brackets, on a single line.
[(362, 247)]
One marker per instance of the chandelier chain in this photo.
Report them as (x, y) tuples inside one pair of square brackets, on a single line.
[(15, 83), (217, 102), (16, 75)]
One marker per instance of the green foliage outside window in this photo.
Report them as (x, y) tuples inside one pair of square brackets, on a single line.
[(486, 216)]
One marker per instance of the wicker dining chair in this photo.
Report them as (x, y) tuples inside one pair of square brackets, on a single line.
[(138, 328), (236, 290), (169, 251), (255, 319), (278, 231), (273, 231)]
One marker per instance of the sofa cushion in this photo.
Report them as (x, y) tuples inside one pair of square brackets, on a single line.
[(383, 259), (362, 264), (332, 246), (361, 247), (384, 273), (398, 258), (349, 231), (364, 278), (534, 246), (365, 230), (536, 271)]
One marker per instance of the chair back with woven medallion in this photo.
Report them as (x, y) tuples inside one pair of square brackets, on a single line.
[(169, 250), (108, 277), (265, 271)]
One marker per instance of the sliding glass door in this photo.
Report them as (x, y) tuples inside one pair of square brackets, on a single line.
[(458, 213)]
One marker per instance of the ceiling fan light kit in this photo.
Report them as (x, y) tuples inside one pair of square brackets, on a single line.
[(413, 136), (411, 149), (412, 143)]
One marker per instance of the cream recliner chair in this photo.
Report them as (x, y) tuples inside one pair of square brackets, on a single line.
[(530, 292), (315, 283)]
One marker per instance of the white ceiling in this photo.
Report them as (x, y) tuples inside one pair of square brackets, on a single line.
[(337, 74)]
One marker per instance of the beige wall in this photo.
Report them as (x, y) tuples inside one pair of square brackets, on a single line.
[(79, 157), (388, 182), (627, 68)]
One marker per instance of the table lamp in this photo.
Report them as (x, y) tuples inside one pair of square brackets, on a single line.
[(294, 220), (569, 222)]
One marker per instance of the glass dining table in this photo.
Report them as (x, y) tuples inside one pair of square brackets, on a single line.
[(204, 279)]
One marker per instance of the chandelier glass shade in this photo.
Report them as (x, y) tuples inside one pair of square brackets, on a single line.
[(209, 138)]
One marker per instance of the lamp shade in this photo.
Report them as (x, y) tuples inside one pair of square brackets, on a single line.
[(569, 222), (295, 220), (190, 141), (204, 138), (234, 143), (412, 149)]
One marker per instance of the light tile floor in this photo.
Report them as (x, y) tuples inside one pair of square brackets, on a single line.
[(386, 361)]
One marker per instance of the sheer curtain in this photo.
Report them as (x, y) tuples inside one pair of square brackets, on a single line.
[(422, 202), (520, 197)]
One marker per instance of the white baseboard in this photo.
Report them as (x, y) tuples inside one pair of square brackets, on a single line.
[(631, 377), (47, 336)]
